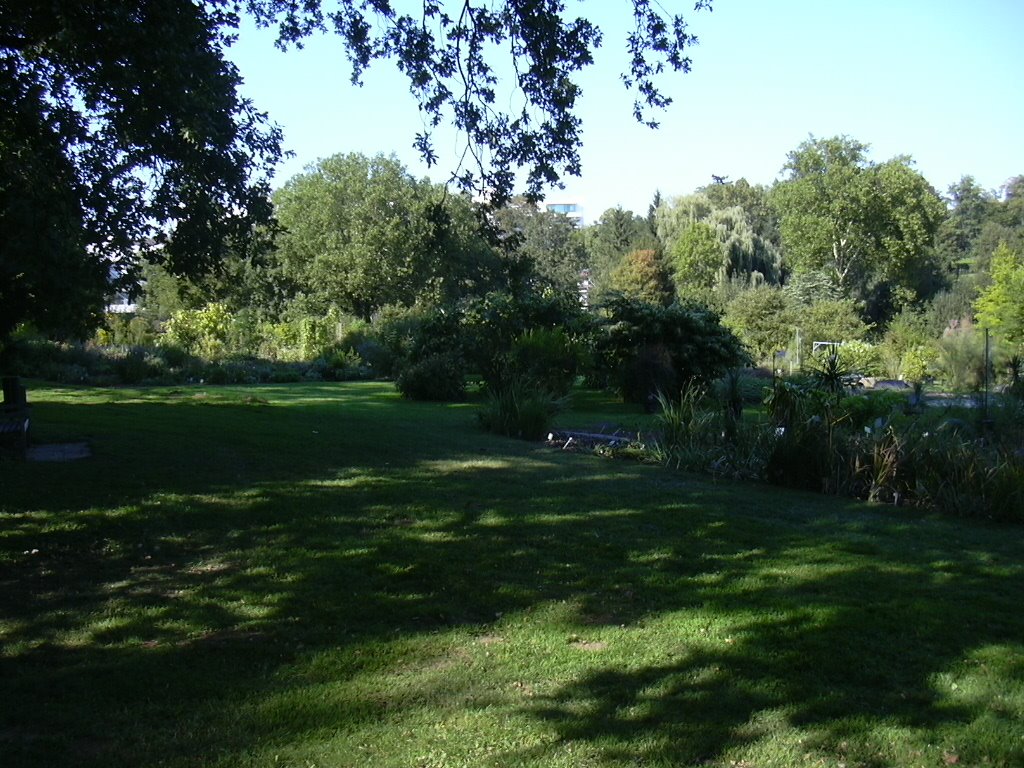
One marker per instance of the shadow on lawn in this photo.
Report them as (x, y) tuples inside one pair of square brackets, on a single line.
[(159, 604)]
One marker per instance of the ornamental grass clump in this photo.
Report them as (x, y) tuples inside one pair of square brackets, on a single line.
[(517, 407), (682, 429)]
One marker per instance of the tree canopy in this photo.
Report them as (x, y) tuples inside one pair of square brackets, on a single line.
[(124, 137), (361, 233), (122, 134), (858, 221), (550, 243), (1000, 306)]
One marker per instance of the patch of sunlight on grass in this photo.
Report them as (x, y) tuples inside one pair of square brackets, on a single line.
[(990, 679), (442, 467)]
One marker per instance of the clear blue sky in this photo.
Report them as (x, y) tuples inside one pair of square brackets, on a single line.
[(939, 80)]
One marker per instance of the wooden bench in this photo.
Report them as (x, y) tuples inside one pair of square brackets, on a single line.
[(15, 416)]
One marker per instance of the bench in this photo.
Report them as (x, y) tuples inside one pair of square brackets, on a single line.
[(15, 416)]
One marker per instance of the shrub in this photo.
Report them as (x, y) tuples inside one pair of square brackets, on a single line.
[(859, 411), (960, 359), (649, 373), (285, 374), (961, 476), (730, 390), (879, 468), (763, 319), (651, 348), (682, 429), (915, 364), (125, 330), (173, 356), (493, 324), (133, 365), (829, 374), (861, 357), (546, 357), (439, 377), (801, 453), (517, 407), (832, 320), (396, 332), (345, 365), (201, 331)]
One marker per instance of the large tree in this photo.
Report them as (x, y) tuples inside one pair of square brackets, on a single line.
[(550, 242), (697, 258), (360, 233), (122, 133), (861, 223), (609, 240), (124, 137), (969, 207)]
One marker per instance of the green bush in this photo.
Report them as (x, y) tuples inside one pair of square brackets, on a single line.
[(682, 438), (125, 330), (203, 332), (134, 365), (173, 356), (517, 407), (439, 377), (547, 357), (962, 476), (345, 365), (861, 357), (492, 325), (960, 359), (859, 411), (648, 373), (835, 320), (763, 318), (651, 348), (396, 331)]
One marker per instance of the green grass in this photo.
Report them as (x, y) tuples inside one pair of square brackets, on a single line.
[(327, 575)]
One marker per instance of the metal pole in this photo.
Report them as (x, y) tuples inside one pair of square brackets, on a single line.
[(985, 396)]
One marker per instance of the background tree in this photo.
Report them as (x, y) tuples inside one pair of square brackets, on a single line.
[(861, 223), (124, 127), (824, 208), (749, 258), (550, 242), (753, 199), (608, 240), (361, 233), (674, 216), (643, 277), (969, 207), (1000, 307), (697, 259)]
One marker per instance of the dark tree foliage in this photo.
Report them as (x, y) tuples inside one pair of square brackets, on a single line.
[(454, 53), (121, 134), (450, 51), (656, 349), (123, 137)]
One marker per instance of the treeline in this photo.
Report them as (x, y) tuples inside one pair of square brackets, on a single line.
[(842, 249)]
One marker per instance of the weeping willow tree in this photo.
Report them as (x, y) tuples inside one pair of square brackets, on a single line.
[(749, 256)]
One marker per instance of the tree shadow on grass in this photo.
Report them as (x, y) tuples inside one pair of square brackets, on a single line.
[(157, 615)]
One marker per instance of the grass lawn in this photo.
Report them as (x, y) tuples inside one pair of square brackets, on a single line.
[(327, 575)]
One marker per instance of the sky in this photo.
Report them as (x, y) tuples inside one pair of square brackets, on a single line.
[(939, 80)]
